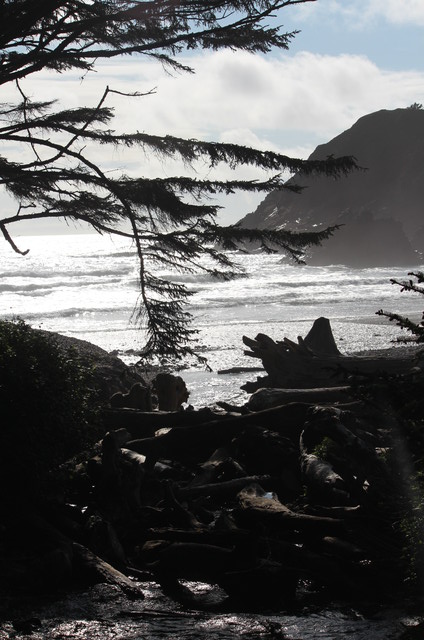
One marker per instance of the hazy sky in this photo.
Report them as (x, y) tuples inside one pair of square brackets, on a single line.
[(351, 57)]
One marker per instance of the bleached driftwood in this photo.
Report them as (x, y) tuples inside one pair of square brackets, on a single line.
[(314, 361)]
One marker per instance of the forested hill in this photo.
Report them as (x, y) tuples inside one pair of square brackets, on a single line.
[(382, 208)]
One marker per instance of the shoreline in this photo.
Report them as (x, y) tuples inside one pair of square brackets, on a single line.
[(206, 387)]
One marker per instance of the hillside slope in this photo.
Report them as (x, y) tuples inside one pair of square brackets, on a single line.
[(381, 207)]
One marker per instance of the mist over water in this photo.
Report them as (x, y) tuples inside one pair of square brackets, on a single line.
[(86, 286)]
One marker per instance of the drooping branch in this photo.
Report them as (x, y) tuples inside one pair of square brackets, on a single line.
[(170, 220), (10, 240)]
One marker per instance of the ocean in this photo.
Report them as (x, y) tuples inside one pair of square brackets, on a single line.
[(86, 286)]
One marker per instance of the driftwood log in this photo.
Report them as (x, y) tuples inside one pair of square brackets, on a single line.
[(314, 361), (263, 399), (206, 428), (92, 568)]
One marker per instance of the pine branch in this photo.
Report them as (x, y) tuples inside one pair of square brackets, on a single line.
[(417, 330), (409, 285), (71, 34), (170, 221)]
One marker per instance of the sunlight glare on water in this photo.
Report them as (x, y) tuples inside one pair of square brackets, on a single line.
[(86, 286)]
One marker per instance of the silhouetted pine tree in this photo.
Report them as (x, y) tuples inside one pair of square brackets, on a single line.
[(169, 219)]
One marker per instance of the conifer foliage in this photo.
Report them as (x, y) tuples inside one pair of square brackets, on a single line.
[(171, 221), (414, 284)]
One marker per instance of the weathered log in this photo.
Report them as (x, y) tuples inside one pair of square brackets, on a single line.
[(257, 505), (138, 397), (188, 444), (231, 408), (219, 462), (307, 365), (117, 475), (246, 579), (184, 515), (299, 559), (224, 489), (54, 559), (350, 463), (144, 424), (320, 339), (268, 398), (192, 561), (102, 539), (171, 391), (322, 482), (341, 548), (327, 422), (91, 567), (196, 442), (238, 370), (136, 459)]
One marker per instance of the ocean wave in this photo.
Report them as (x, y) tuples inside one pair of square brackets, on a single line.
[(70, 272), (71, 312), (201, 277), (117, 254), (18, 288), (106, 331), (107, 272), (47, 288), (324, 283)]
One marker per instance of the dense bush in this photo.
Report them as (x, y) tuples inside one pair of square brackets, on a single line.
[(44, 398)]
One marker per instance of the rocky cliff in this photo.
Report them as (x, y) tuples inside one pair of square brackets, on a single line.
[(381, 207)]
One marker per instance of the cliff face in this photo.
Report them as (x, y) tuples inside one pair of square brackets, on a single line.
[(381, 208)]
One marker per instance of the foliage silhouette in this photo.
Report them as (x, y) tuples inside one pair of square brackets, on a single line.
[(171, 221), (47, 401), (414, 328)]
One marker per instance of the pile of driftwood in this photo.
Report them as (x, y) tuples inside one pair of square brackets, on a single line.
[(265, 504), (314, 361)]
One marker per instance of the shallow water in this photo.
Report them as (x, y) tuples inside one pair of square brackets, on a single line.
[(103, 613)]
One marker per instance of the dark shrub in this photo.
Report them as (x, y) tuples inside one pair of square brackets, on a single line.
[(44, 401)]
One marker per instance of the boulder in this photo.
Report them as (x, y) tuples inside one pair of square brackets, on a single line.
[(109, 374)]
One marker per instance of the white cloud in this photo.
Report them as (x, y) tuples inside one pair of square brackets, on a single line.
[(283, 103), (358, 13), (264, 97), (238, 97), (398, 11)]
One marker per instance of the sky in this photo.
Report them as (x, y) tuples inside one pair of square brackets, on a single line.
[(350, 58)]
